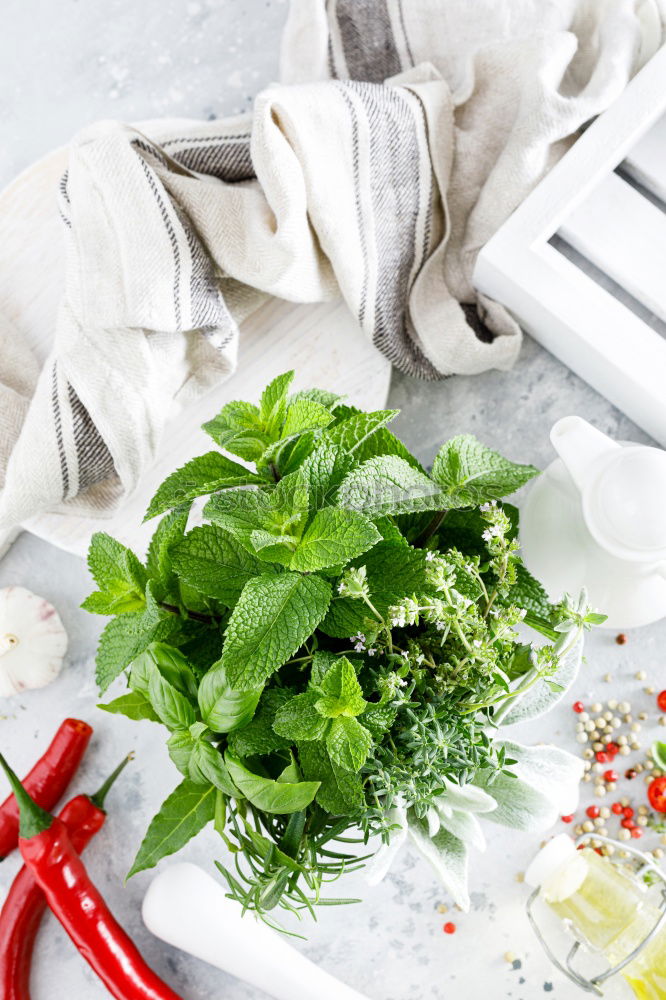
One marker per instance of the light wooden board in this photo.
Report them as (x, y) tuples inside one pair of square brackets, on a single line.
[(567, 310), (322, 342)]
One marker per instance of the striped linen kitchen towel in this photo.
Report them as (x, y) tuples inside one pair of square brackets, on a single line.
[(403, 134)]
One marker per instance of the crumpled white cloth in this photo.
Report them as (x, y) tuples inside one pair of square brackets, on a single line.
[(403, 135)]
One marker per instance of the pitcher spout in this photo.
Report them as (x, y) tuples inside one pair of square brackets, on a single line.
[(580, 445)]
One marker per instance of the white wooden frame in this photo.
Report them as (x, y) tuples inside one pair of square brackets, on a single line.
[(597, 212)]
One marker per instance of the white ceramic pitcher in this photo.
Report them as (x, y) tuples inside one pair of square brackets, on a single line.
[(596, 518)]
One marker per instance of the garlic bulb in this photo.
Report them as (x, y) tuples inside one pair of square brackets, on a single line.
[(33, 641)]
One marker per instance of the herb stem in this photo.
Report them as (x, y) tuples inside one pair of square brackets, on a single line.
[(196, 616), (430, 528)]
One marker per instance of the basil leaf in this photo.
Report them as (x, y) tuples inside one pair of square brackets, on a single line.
[(173, 708), (224, 708), (134, 705), (271, 796)]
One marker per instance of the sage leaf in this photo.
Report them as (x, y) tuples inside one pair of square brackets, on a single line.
[(181, 816)]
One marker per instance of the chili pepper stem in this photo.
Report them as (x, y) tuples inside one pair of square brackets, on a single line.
[(100, 795), (33, 819)]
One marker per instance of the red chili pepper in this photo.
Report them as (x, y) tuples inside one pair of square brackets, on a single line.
[(25, 904), (48, 779), (51, 857), (657, 794)]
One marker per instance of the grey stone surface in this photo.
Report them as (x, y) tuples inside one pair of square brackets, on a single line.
[(65, 63)]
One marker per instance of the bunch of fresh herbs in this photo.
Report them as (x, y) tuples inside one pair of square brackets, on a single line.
[(336, 639)]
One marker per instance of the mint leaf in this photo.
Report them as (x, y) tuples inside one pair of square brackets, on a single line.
[(273, 548), (394, 571), (119, 575), (333, 538), (357, 426), (166, 536), (298, 719), (280, 797), (340, 792), (387, 484), (341, 692), (348, 743), (258, 737), (280, 511), (273, 403), (224, 708), (305, 415), (134, 706), (378, 719), (528, 593), (181, 816), (272, 619), (322, 661), (214, 563), (471, 474), (324, 469), (238, 428), (239, 512), (384, 442), (128, 635), (199, 477), (323, 396)]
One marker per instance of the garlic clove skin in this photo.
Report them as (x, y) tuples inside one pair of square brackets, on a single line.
[(33, 641)]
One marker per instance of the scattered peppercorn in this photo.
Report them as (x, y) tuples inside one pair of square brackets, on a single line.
[(617, 808), (621, 639), (567, 819), (449, 927), (631, 774), (593, 811), (611, 775), (661, 700), (579, 707)]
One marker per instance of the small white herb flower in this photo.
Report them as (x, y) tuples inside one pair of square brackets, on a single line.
[(353, 583), (430, 555)]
